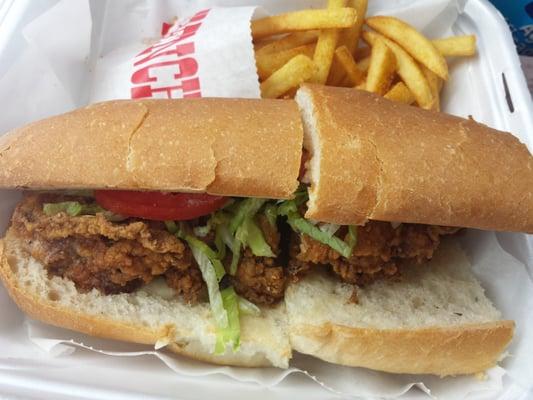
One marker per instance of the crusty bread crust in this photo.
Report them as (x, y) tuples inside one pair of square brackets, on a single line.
[(392, 162), (49, 311), (439, 351), (461, 349), (54, 314), (233, 147)]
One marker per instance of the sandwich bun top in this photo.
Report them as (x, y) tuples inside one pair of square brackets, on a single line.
[(239, 147), (372, 158)]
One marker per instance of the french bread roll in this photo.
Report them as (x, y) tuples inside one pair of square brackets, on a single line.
[(372, 158), (249, 148), (144, 316), (437, 320)]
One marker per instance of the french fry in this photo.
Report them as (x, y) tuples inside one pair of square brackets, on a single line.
[(267, 64), (361, 86), (400, 93), (259, 44), (364, 64), (362, 52), (408, 70), (350, 37), (325, 47), (297, 70), (416, 44), (435, 84), (290, 41), (303, 21), (336, 73), (345, 59), (323, 57), (456, 46), (381, 69)]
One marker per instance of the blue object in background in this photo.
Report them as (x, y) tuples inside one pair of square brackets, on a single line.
[(519, 15)]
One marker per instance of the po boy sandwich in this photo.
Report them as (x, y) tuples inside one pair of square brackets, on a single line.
[(182, 223)]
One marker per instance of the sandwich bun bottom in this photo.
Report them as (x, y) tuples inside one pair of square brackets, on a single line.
[(139, 317), (436, 320)]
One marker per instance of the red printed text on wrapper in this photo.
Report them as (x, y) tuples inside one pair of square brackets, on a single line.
[(169, 68)]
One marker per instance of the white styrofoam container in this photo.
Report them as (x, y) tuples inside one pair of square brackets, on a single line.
[(501, 100)]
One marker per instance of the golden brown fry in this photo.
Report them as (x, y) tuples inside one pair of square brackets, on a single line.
[(336, 3), (303, 21), (290, 41), (292, 74), (456, 46), (400, 93), (408, 70), (268, 63), (362, 52), (345, 59), (435, 84), (364, 64), (350, 37), (416, 44), (325, 47), (361, 86), (381, 69), (323, 57), (336, 73)]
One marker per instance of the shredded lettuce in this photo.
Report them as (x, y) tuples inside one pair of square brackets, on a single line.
[(271, 213), (202, 247), (250, 235), (248, 308), (211, 280), (299, 224), (202, 231), (216, 219), (72, 208), (226, 235), (171, 227), (247, 208), (75, 208), (330, 229), (223, 303), (231, 334)]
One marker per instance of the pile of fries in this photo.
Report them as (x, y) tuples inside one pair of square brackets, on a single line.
[(323, 46)]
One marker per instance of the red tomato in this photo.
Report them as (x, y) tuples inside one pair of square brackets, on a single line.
[(158, 206)]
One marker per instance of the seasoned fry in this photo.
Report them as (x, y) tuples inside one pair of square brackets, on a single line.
[(304, 20), (381, 69), (400, 93), (416, 44), (408, 70), (345, 59), (435, 84), (456, 46), (325, 47), (267, 64), (291, 41), (350, 37), (293, 73)]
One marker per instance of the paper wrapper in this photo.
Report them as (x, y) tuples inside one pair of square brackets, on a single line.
[(117, 52)]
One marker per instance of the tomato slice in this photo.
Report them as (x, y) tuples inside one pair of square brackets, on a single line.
[(159, 206)]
